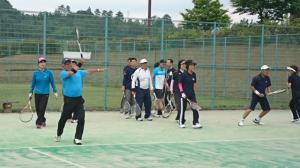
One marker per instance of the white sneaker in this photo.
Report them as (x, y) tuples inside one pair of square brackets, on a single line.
[(197, 125), (127, 116), (181, 126), (149, 119), (57, 138), (295, 120), (241, 123), (139, 119), (77, 142)]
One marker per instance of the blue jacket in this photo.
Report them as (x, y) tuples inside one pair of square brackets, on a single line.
[(41, 80), (127, 73)]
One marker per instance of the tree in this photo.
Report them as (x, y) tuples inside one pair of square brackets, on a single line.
[(119, 16), (85, 12), (4, 4), (97, 12), (62, 10), (205, 11), (168, 21), (268, 10)]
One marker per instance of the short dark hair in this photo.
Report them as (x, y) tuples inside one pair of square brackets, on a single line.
[(156, 64), (171, 60), (133, 59), (162, 61), (180, 62), (129, 59)]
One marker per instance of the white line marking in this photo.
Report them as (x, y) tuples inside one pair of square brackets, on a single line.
[(154, 143), (56, 158)]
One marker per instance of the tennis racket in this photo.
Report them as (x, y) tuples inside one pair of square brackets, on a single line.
[(169, 108), (138, 110), (26, 114), (78, 41), (194, 105), (277, 92), (122, 103)]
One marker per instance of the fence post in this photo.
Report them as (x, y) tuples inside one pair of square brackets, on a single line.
[(134, 48), (162, 55), (276, 58), (149, 48), (45, 35), (225, 67), (249, 65), (213, 74), (262, 53), (106, 65)]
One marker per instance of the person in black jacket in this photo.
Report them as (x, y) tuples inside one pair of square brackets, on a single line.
[(294, 85)]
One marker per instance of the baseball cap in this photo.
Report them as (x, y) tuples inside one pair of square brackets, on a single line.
[(265, 67), (291, 69), (42, 59), (65, 61), (143, 61)]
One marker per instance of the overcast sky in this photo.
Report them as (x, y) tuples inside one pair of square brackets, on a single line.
[(130, 8)]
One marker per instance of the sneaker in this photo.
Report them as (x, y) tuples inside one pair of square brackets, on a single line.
[(139, 119), (181, 126), (258, 122), (241, 123), (57, 138), (77, 142), (149, 119), (197, 125), (295, 120), (157, 116), (127, 116), (38, 126)]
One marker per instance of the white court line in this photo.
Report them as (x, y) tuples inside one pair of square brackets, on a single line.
[(157, 143), (56, 158)]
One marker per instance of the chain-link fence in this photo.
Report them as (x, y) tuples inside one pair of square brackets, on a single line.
[(228, 56)]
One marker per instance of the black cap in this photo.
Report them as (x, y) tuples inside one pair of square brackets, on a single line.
[(65, 61)]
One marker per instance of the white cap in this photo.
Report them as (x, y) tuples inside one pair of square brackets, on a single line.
[(291, 69), (265, 67), (142, 61)]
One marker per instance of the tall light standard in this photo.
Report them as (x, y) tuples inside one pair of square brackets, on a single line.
[(149, 16)]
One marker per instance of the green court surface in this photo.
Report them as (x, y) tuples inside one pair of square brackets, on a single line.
[(112, 141)]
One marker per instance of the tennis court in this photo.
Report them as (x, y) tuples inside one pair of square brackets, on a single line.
[(112, 141)]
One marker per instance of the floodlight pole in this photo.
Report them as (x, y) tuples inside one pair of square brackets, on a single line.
[(149, 16)]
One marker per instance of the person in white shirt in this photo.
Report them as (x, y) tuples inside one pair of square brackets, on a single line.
[(141, 87)]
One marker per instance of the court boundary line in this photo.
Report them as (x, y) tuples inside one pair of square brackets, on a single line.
[(56, 158), (157, 143)]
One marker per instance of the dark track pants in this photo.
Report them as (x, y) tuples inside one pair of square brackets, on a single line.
[(143, 98), (295, 107), (41, 101), (183, 106), (72, 104)]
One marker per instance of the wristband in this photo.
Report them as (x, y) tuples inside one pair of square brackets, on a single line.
[(256, 92)]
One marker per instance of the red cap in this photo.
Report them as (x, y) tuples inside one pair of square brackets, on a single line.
[(42, 59)]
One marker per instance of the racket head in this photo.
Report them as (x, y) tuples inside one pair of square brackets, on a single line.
[(126, 106), (168, 111), (195, 106), (122, 104), (26, 114)]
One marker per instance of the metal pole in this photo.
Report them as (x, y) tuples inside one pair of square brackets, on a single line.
[(149, 16), (106, 65), (213, 76), (225, 67), (276, 58), (262, 45), (149, 48), (162, 39), (45, 35), (134, 48), (249, 65)]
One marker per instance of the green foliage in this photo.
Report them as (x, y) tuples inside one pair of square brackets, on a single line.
[(205, 11), (274, 10)]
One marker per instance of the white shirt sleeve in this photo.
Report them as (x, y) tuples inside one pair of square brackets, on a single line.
[(134, 78)]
